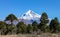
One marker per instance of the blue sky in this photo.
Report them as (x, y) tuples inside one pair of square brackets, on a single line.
[(19, 7)]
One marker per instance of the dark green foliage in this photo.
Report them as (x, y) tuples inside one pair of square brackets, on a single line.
[(54, 25), (21, 28), (43, 22), (35, 26), (44, 18), (11, 17), (3, 28), (59, 27), (11, 29), (29, 28)]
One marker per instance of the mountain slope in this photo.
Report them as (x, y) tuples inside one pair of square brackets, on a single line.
[(29, 17)]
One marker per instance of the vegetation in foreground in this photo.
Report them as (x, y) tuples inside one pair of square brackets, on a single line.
[(32, 35), (45, 26)]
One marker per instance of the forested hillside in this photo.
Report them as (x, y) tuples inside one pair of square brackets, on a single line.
[(45, 26)]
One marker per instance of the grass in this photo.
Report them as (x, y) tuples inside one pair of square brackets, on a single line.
[(33, 35)]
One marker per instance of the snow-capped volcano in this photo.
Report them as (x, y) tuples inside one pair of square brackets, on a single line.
[(29, 17)]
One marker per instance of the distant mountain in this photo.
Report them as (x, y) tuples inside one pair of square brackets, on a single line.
[(29, 17)]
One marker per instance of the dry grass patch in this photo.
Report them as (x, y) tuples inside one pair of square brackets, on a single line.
[(33, 35)]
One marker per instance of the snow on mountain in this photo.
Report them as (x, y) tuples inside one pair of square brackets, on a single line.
[(29, 17)]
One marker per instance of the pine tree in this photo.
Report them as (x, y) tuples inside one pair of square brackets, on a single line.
[(3, 28), (11, 17), (21, 28), (10, 27), (29, 28), (35, 26), (54, 25), (43, 22)]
